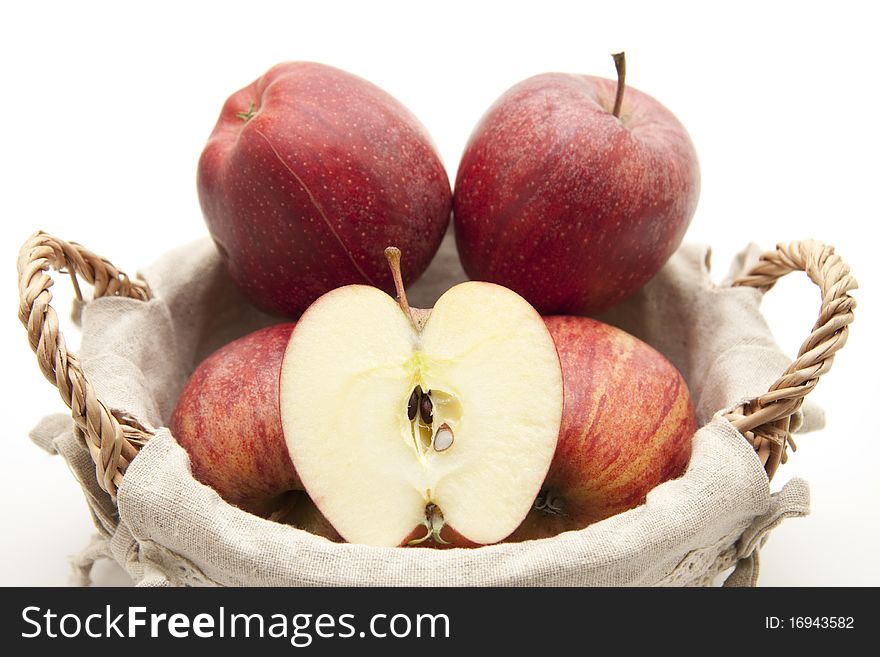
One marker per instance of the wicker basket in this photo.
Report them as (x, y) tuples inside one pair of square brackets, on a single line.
[(113, 438)]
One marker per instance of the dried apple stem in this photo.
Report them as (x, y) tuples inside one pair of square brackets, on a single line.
[(434, 524), (392, 254), (620, 65)]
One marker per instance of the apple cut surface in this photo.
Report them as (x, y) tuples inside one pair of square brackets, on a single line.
[(388, 424)]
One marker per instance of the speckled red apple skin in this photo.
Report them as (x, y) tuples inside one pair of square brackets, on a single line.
[(305, 195), (627, 426), (228, 419), (566, 204)]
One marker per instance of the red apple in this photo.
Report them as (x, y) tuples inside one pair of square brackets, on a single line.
[(309, 174), (229, 421), (569, 203), (626, 427)]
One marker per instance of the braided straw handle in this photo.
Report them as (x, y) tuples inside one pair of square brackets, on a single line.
[(766, 420), (113, 441)]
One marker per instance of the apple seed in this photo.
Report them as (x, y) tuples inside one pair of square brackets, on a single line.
[(444, 438), (413, 403), (426, 408)]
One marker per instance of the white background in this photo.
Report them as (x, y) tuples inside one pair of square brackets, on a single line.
[(106, 107)]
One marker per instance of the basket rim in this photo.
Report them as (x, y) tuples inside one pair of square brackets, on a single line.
[(114, 440)]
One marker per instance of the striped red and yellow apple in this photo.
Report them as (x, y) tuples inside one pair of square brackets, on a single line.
[(627, 426), (228, 419)]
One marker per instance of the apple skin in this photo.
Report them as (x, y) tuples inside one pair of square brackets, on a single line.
[(566, 204), (304, 195), (228, 419), (627, 426)]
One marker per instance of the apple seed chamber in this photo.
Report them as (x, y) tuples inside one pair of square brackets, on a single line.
[(165, 528)]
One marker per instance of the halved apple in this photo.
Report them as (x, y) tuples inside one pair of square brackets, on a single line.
[(408, 426)]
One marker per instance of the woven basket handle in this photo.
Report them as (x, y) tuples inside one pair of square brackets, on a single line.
[(765, 421), (112, 440)]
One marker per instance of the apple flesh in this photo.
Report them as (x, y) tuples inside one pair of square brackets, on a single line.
[(228, 420), (627, 427), (567, 204), (308, 175), (421, 427)]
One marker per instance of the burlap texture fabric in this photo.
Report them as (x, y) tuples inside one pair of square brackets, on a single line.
[(168, 529)]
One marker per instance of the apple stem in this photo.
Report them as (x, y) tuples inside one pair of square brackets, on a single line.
[(434, 525), (620, 65), (549, 503), (247, 116), (392, 254)]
